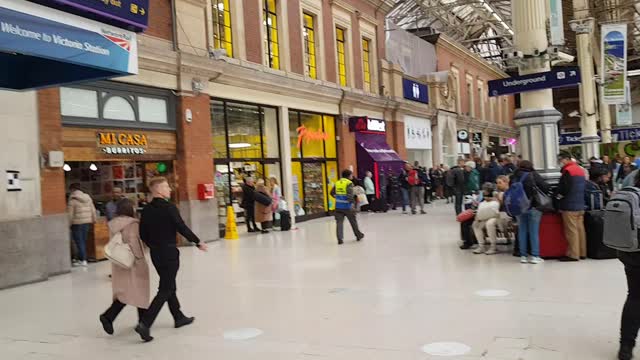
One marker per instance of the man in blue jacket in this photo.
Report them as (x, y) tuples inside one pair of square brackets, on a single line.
[(570, 194)]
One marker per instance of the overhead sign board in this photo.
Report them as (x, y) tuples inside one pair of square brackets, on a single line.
[(130, 14), (614, 63), (415, 91), (618, 135), (556, 78), (55, 47)]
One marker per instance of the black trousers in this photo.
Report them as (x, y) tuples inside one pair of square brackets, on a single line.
[(630, 323), (459, 199), (116, 307), (250, 217), (167, 266)]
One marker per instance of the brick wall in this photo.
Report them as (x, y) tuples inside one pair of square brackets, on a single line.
[(51, 180), (252, 26), (296, 50), (395, 138), (160, 19), (329, 42), (357, 52), (346, 148), (195, 152), (446, 59)]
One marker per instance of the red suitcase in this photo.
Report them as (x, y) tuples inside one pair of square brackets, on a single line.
[(553, 243)]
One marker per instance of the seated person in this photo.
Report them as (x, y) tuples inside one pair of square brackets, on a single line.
[(491, 216)]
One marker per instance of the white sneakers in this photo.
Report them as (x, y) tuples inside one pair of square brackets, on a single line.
[(76, 263), (533, 260)]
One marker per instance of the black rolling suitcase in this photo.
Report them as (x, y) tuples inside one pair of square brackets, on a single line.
[(379, 205), (594, 226), (285, 220), (467, 234)]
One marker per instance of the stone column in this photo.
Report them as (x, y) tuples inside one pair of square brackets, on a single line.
[(537, 118), (285, 156), (584, 26)]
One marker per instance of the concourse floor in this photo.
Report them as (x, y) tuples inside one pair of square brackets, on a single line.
[(404, 286)]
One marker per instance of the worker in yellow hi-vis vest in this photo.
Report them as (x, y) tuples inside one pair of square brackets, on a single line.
[(343, 193)]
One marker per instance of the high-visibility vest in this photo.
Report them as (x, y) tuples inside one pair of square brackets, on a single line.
[(342, 200)]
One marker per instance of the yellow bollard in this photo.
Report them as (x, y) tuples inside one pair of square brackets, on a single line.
[(231, 230)]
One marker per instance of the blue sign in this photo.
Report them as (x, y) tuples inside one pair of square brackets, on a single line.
[(618, 135), (130, 14), (415, 91), (560, 77), (51, 46)]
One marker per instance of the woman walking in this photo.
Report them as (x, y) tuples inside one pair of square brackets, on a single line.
[(130, 286), (529, 221), (264, 213)]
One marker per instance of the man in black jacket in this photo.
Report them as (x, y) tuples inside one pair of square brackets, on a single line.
[(159, 224), (459, 182)]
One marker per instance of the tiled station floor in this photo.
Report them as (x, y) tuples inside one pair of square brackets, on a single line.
[(405, 286)]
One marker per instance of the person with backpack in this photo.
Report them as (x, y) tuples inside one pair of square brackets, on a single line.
[(571, 196), (520, 203), (129, 286), (416, 189)]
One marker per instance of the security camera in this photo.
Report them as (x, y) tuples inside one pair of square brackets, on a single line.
[(553, 50), (563, 58)]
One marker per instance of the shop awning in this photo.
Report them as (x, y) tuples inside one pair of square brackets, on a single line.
[(376, 146), (40, 47)]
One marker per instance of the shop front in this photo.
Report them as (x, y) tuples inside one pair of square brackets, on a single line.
[(418, 140), (314, 162), (625, 142), (245, 144), (116, 137), (373, 153)]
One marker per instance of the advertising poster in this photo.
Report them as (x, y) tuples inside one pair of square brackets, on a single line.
[(614, 63)]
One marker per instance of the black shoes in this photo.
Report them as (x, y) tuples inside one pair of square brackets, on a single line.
[(465, 246), (360, 237), (422, 212), (107, 325), (251, 230), (625, 353), (340, 242), (144, 332), (184, 322), (264, 231), (567, 259)]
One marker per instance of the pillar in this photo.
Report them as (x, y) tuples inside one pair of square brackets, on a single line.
[(287, 171), (537, 119), (588, 110), (195, 165)]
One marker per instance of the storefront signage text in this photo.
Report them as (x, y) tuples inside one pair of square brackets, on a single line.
[(308, 135), (561, 77), (618, 135), (123, 143), (366, 124), (122, 13)]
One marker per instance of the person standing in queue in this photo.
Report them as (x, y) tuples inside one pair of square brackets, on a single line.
[(159, 224), (343, 193), (248, 204)]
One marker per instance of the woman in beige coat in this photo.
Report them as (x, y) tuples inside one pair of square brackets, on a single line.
[(82, 214), (264, 213), (130, 286)]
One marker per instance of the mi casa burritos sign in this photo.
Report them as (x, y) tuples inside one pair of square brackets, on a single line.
[(122, 143)]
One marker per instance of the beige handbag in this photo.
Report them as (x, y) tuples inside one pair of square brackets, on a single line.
[(119, 253)]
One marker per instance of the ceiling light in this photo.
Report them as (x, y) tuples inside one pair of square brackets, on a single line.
[(66, 167), (93, 167), (239, 145)]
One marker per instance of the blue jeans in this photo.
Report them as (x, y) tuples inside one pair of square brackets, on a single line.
[(529, 231), (79, 234), (405, 198)]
